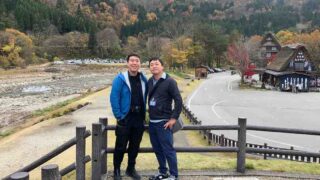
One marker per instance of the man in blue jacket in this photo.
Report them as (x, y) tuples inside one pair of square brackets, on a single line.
[(163, 90), (128, 102)]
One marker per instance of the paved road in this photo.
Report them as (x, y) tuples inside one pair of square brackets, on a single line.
[(219, 101)]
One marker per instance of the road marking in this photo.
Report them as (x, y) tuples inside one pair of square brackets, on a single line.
[(215, 112), (193, 94), (249, 134), (274, 141)]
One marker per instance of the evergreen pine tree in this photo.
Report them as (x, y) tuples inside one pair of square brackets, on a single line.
[(2, 8), (61, 5), (92, 43)]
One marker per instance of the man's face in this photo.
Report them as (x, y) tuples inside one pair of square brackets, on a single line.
[(133, 64), (156, 67)]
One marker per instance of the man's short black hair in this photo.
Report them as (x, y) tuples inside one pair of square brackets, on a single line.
[(156, 59), (132, 54)]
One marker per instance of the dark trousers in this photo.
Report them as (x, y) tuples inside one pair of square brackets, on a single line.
[(162, 144), (129, 130)]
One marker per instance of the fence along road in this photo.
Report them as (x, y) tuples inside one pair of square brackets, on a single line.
[(219, 101)]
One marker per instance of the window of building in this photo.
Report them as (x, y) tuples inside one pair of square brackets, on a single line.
[(299, 66)]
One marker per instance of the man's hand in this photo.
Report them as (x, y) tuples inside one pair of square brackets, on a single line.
[(170, 123)]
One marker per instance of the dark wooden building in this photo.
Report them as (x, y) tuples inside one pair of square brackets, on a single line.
[(292, 69), (269, 47), (201, 72)]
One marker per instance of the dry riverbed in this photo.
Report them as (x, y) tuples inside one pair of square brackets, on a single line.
[(24, 91)]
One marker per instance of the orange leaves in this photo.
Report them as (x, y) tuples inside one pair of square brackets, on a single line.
[(151, 16)]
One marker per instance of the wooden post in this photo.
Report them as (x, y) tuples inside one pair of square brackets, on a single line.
[(222, 140), (80, 153), (96, 151), (20, 176), (291, 156), (265, 154), (210, 139), (104, 139), (241, 155), (234, 143), (50, 172), (217, 139)]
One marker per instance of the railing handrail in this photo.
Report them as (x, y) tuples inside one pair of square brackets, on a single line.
[(236, 127), (49, 155), (283, 130), (186, 149), (191, 127)]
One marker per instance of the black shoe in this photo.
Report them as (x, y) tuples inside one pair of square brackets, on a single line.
[(117, 174), (131, 172)]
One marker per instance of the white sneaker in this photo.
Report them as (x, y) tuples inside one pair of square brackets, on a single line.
[(159, 176), (171, 178)]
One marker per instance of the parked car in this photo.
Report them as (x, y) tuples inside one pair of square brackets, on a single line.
[(217, 70)]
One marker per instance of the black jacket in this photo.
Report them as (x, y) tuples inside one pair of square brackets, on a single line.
[(164, 91)]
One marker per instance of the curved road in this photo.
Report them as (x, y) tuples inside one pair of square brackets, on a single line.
[(219, 101)]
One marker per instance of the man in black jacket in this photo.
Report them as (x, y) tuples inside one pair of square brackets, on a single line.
[(163, 90)]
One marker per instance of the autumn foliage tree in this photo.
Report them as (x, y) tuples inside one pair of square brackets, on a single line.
[(253, 46), (177, 52), (239, 56), (16, 49)]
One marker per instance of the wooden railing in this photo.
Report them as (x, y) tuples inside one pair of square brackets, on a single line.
[(223, 141), (52, 171), (100, 148)]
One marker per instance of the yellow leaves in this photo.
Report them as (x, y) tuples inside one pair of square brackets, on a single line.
[(86, 10), (178, 51), (7, 48), (151, 16), (179, 55), (133, 18), (17, 47), (15, 32), (286, 37), (133, 40), (183, 42), (17, 36)]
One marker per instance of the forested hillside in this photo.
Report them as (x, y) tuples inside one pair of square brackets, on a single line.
[(182, 32)]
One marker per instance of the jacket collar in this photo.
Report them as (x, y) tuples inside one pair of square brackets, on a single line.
[(143, 79)]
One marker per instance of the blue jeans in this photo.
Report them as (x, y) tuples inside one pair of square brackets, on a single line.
[(162, 144)]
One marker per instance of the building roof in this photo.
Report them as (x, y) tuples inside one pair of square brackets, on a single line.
[(274, 39), (282, 59), (284, 55)]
